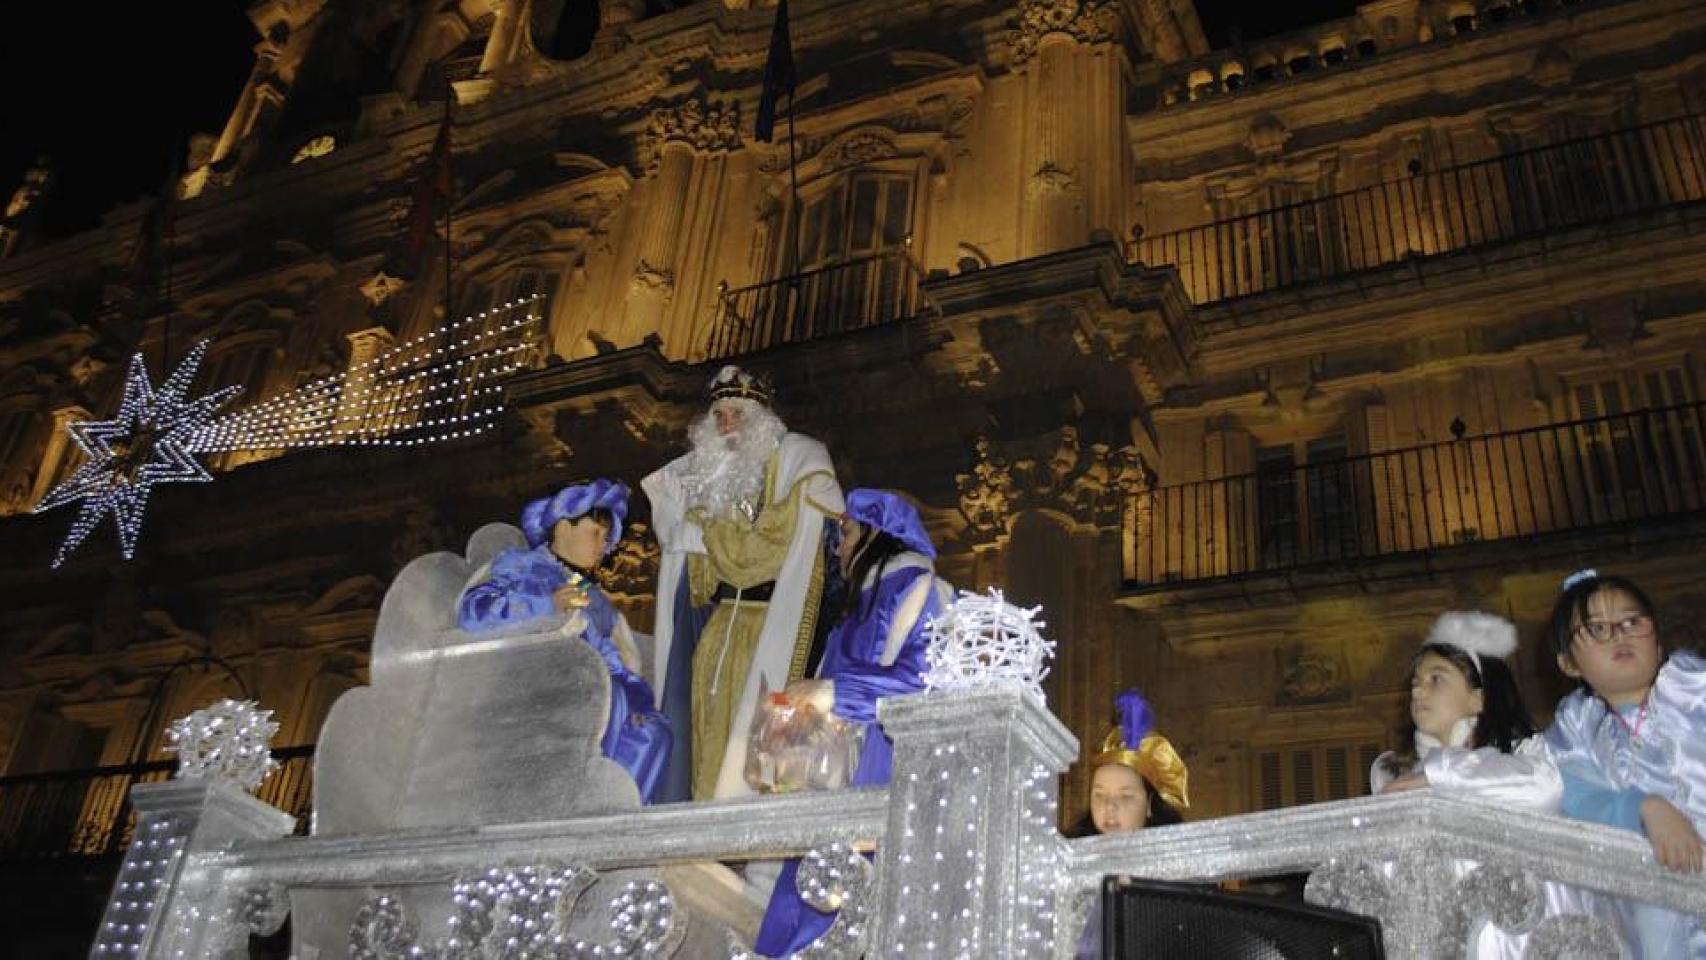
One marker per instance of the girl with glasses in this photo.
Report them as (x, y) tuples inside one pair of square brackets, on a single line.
[(1631, 740)]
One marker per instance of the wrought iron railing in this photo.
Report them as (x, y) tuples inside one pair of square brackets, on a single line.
[(1531, 193), (861, 292), (1647, 465), (87, 812)]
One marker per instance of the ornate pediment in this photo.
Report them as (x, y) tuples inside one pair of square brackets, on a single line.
[(858, 147), (924, 119)]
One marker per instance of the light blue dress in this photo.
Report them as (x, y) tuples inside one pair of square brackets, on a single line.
[(1608, 772)]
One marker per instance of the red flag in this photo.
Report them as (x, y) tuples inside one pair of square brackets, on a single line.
[(430, 194)]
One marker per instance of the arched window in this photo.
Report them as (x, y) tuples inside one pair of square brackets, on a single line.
[(860, 214)]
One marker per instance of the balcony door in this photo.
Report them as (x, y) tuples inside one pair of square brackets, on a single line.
[(1305, 512), (1638, 444), (852, 273)]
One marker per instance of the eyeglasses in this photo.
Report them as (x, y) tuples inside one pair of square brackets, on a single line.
[(1602, 632)]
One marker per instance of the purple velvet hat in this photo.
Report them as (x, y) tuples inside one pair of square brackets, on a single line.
[(571, 503), (888, 512)]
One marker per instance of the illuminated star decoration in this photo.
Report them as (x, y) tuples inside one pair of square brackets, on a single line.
[(148, 443), (444, 384)]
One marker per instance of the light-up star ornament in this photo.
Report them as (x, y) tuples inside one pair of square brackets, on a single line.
[(444, 384), (146, 444)]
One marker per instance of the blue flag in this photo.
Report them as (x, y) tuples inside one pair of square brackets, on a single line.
[(778, 76)]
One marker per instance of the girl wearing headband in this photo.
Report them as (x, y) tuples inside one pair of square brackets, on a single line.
[(1631, 740), (1469, 734)]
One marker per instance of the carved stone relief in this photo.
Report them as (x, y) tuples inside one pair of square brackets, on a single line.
[(1095, 484), (701, 124), (1087, 21)]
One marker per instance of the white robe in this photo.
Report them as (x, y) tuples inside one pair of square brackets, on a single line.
[(1525, 779), (801, 460)]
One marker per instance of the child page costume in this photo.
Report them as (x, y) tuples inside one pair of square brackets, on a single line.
[(521, 586)]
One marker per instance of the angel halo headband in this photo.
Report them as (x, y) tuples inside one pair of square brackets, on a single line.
[(1579, 576), (1475, 633)]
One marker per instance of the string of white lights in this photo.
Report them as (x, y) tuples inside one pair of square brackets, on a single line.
[(383, 393), (397, 398), (379, 408)]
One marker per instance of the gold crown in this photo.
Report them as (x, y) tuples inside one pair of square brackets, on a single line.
[(733, 382), (1154, 760)]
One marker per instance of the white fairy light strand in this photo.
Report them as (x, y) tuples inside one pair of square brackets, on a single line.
[(381, 397), (229, 740), (981, 641), (445, 384)]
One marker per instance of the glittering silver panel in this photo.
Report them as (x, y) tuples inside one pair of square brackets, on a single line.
[(1406, 860), (142, 876), (837, 879), (522, 913), (968, 863), (164, 903), (1574, 935), (975, 779), (458, 730)]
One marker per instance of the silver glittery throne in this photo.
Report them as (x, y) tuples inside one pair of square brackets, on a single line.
[(458, 730)]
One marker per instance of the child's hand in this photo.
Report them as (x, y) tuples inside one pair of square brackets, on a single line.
[(1675, 844), (1409, 781)]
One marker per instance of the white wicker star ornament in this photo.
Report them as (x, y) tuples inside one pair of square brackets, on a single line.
[(983, 642)]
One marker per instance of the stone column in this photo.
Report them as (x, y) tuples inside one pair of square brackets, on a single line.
[(59, 446), (674, 141), (164, 905), (967, 867), (356, 403), (1074, 157)]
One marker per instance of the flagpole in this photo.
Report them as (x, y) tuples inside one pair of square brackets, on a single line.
[(166, 240), (794, 191), (449, 94)]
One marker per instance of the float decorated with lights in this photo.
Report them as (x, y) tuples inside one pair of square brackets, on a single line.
[(442, 385)]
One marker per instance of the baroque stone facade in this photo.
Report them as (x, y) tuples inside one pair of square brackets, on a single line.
[(1155, 333)]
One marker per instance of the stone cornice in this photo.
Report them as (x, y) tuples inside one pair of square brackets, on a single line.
[(1445, 293), (1455, 69)]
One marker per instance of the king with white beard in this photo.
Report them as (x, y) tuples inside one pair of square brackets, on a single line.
[(741, 520)]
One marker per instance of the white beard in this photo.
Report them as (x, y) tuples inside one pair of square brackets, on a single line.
[(724, 476)]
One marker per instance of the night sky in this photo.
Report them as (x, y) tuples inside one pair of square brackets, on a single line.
[(112, 92)]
